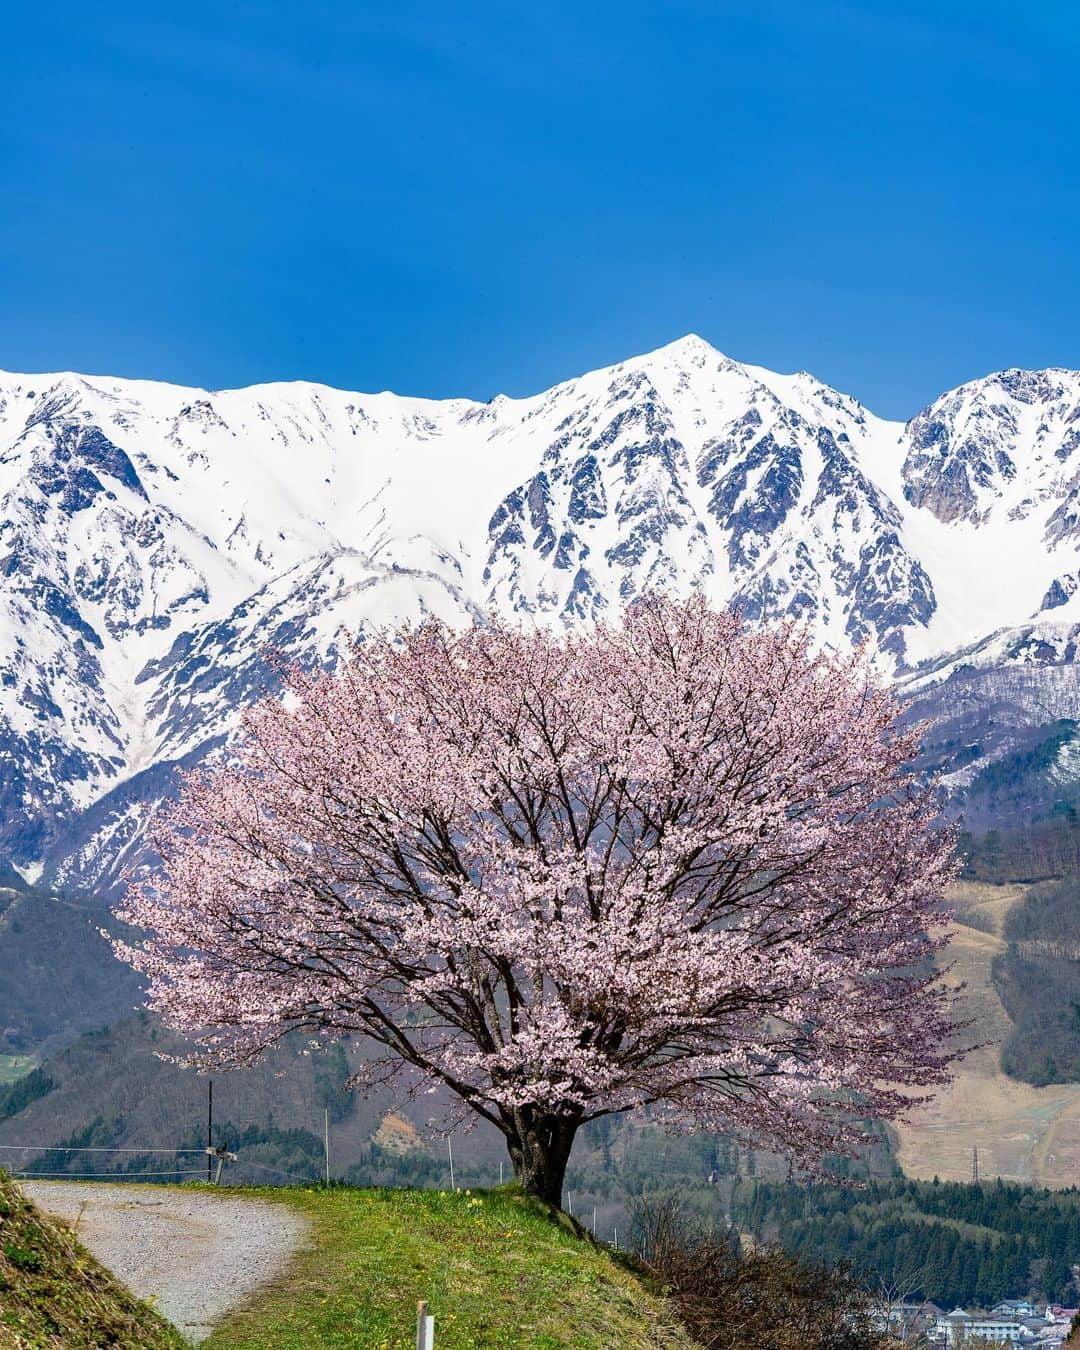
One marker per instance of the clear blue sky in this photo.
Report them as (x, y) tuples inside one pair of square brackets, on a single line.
[(464, 198)]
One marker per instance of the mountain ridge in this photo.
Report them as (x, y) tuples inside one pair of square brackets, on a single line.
[(156, 539)]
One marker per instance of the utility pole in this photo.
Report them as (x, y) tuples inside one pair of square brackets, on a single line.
[(326, 1140), (209, 1127), (450, 1152)]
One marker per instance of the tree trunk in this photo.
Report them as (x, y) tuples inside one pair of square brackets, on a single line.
[(540, 1150)]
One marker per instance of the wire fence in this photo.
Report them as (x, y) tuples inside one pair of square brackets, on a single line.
[(20, 1175), (36, 1167), (58, 1162), (242, 1170), (96, 1148), (239, 1140)]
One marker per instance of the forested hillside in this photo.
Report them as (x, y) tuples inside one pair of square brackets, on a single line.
[(1046, 848), (951, 1242), (58, 976), (1038, 980)]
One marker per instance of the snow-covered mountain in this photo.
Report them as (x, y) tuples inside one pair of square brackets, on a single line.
[(156, 540)]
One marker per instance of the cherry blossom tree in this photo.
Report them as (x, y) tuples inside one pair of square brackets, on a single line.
[(671, 861)]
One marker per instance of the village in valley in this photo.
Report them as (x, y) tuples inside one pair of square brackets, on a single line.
[(1011, 1322)]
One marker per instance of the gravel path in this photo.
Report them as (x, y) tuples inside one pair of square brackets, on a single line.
[(197, 1254)]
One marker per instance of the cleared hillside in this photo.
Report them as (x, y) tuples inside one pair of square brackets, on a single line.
[(1022, 1133)]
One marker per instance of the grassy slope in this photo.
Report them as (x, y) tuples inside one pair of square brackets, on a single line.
[(496, 1269), (54, 1294), (14, 1067)]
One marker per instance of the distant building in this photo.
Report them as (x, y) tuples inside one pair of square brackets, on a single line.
[(964, 1328), (1013, 1307), (905, 1318)]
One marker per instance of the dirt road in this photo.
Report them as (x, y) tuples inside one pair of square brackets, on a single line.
[(196, 1254)]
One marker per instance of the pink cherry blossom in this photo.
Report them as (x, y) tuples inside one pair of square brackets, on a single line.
[(672, 861)]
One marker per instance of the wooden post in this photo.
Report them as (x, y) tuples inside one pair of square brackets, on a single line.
[(326, 1140), (425, 1327), (220, 1154)]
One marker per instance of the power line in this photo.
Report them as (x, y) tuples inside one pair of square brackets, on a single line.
[(66, 1148), (86, 1176)]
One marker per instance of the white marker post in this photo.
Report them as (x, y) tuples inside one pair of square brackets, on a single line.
[(221, 1154), (425, 1327)]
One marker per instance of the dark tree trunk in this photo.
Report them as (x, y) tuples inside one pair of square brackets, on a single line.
[(540, 1148)]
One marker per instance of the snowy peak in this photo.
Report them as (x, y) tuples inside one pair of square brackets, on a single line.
[(1004, 445), (156, 540), (686, 469)]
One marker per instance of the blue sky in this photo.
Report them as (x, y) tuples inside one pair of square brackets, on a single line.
[(463, 198)]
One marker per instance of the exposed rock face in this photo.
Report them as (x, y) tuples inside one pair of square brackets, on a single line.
[(156, 541), (1060, 591), (1004, 444)]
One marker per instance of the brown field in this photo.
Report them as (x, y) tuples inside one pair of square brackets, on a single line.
[(1023, 1133)]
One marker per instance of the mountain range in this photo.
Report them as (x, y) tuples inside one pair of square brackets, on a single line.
[(157, 542)]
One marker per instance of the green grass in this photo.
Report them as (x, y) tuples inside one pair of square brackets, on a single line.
[(13, 1067), (55, 1296), (497, 1271)]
